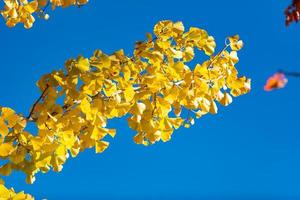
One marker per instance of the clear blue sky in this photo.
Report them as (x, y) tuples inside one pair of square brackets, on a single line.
[(250, 150)]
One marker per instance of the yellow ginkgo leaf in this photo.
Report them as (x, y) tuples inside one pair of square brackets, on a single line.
[(233, 56), (188, 54), (213, 108), (226, 100), (3, 128), (235, 43), (101, 146), (31, 7), (5, 169), (82, 64), (6, 149), (129, 93)]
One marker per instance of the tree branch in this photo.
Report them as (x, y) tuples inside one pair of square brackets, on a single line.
[(287, 73), (36, 102)]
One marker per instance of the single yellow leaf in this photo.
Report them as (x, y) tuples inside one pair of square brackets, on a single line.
[(5, 169), (82, 64), (6, 149), (101, 146), (31, 7)]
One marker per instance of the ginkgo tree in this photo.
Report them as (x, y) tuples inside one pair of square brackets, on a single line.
[(151, 89), (22, 11)]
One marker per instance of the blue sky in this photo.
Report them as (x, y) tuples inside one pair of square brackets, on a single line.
[(250, 150)]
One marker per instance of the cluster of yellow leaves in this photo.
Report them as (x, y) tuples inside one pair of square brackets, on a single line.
[(21, 11), (151, 88), (10, 194)]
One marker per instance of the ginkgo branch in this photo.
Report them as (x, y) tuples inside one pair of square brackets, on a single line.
[(73, 115), (36, 103)]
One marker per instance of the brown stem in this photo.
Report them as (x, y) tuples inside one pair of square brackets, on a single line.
[(218, 54), (36, 102), (288, 73), (154, 101)]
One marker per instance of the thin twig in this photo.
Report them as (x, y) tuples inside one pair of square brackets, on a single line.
[(287, 73), (154, 101), (36, 102), (46, 6), (132, 58), (218, 54)]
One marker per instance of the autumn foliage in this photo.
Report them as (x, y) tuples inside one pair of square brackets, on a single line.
[(292, 12), (151, 89), (23, 11), (277, 81), (10, 194)]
